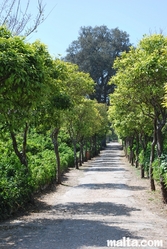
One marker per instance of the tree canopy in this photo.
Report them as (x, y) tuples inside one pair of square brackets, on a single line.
[(140, 79), (94, 52)]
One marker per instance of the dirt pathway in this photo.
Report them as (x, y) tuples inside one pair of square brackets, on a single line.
[(104, 200)]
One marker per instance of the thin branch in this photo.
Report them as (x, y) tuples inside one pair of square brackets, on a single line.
[(8, 13), (24, 19), (18, 20), (38, 19), (16, 15)]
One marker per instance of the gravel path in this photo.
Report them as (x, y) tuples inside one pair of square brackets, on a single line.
[(104, 200)]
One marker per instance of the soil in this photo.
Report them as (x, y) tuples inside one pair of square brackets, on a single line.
[(104, 200)]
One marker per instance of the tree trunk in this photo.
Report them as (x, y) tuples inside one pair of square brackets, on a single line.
[(131, 155), (82, 152), (103, 142), (152, 184), (152, 156), (54, 137), (163, 189), (126, 147), (86, 149), (75, 155), (80, 155), (142, 171), (95, 145), (21, 154), (98, 145), (137, 152), (91, 148)]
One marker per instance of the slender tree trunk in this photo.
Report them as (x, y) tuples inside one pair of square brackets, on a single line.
[(21, 154), (137, 151), (82, 152), (142, 171), (54, 137), (152, 183), (80, 155), (152, 156), (98, 145), (103, 142), (131, 156), (91, 148), (163, 189), (126, 147), (142, 141), (80, 159), (86, 150), (95, 145), (75, 155)]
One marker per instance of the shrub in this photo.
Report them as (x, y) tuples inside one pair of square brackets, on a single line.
[(144, 158), (14, 188), (66, 156), (160, 168), (42, 169)]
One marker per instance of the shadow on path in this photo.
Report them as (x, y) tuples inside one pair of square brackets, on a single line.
[(110, 186), (63, 234), (95, 208)]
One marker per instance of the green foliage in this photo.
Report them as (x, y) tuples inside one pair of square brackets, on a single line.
[(41, 159), (65, 150), (4, 32), (38, 142), (16, 184), (67, 156), (42, 167), (61, 101), (136, 105), (163, 165), (36, 94), (156, 169), (144, 157), (160, 168), (15, 190)]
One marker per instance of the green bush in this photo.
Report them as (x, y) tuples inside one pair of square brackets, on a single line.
[(160, 168), (17, 183), (42, 169), (144, 157), (66, 156), (14, 188)]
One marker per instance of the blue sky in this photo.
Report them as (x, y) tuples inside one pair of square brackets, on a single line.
[(136, 17)]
